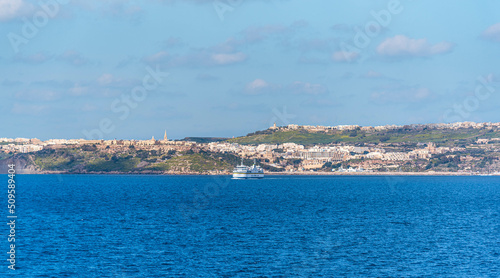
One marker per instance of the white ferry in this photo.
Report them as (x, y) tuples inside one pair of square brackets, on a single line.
[(248, 172)]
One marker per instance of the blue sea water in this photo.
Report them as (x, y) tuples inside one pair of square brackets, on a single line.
[(202, 226)]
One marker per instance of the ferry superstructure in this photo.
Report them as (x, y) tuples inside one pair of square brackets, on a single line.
[(248, 172)]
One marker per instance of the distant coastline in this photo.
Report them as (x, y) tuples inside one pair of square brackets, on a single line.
[(266, 174), (464, 149)]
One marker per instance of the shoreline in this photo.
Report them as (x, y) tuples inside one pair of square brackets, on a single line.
[(150, 173), (379, 174)]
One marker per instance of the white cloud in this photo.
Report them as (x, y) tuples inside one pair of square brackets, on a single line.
[(196, 58), (257, 85), (37, 58), (157, 57), (421, 93), (78, 90), (260, 86), (345, 56), (122, 8), (372, 74), (11, 9), (73, 58), (173, 42), (116, 8), (206, 77), (308, 88), (402, 94), (109, 81), (225, 59), (29, 109), (228, 52), (105, 79), (492, 33), (87, 107), (402, 46), (37, 95)]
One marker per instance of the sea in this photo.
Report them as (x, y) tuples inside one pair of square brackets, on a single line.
[(279, 226)]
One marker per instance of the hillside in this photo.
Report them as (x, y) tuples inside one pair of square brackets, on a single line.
[(448, 137), (381, 149), (77, 160)]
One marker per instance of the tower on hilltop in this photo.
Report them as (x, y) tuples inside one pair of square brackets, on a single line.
[(165, 136)]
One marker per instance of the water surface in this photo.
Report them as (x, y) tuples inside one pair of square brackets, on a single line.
[(201, 226)]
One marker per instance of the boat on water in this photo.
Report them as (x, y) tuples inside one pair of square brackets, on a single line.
[(248, 172)]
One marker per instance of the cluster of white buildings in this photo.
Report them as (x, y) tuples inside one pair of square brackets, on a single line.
[(25, 145), (16, 140), (20, 145), (325, 153), (21, 148), (320, 128), (262, 150), (315, 157)]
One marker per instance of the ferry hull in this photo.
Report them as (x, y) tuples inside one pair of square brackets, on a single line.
[(248, 176)]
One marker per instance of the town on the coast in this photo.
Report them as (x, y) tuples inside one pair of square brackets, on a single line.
[(465, 148)]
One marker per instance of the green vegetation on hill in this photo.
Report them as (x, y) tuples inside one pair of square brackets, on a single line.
[(304, 137), (119, 164), (55, 160), (94, 160), (196, 162), (91, 160)]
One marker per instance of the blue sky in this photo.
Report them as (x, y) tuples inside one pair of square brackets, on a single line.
[(76, 69)]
